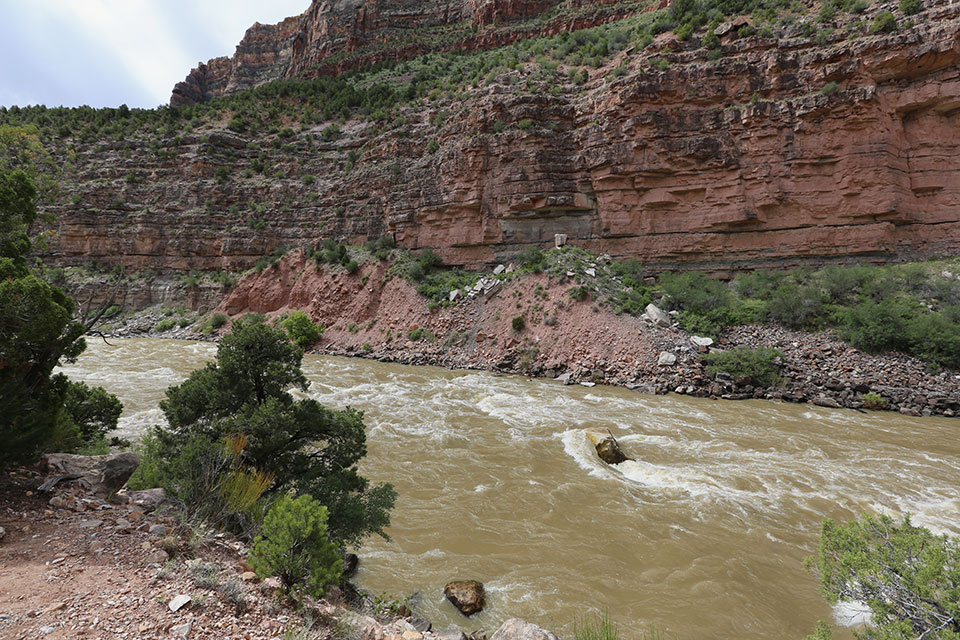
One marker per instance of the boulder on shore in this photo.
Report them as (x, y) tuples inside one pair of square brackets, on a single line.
[(466, 595), (516, 629), (104, 475), (607, 447)]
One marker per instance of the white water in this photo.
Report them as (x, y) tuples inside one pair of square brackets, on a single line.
[(702, 536)]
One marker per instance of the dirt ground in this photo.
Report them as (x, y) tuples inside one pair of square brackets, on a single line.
[(92, 569)]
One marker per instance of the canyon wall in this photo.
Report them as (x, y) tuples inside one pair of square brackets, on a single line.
[(782, 152), (332, 35)]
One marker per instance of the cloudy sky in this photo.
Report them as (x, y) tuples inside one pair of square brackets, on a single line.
[(104, 53)]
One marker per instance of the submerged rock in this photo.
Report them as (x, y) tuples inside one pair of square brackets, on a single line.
[(350, 563), (516, 629), (465, 595), (607, 447)]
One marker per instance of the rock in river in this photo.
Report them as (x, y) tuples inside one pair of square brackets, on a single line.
[(607, 447), (465, 595), (515, 629)]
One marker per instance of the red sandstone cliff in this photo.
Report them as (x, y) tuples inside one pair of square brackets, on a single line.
[(334, 35), (743, 161)]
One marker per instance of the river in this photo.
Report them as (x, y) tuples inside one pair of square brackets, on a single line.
[(702, 537)]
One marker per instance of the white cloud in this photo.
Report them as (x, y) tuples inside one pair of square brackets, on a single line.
[(143, 47)]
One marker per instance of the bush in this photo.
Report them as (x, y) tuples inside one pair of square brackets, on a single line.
[(600, 628), (579, 293), (794, 306), (830, 89), (39, 333), (885, 22), (93, 411), (245, 391), (294, 546), (873, 400), (208, 478), (164, 325), (518, 323), (301, 329), (907, 576), (757, 366), (532, 258), (214, 322), (433, 146), (910, 7), (878, 326)]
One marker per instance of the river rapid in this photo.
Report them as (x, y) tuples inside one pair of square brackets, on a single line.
[(703, 536)]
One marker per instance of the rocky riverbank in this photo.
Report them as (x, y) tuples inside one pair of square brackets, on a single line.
[(373, 314), (74, 564)]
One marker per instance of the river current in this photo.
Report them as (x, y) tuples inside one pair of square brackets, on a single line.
[(702, 537)]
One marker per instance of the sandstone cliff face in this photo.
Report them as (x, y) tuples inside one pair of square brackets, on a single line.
[(741, 162), (332, 36)]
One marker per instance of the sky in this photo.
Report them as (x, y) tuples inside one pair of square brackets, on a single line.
[(105, 53)]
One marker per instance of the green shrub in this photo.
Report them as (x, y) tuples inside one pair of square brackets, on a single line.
[(908, 576), (294, 546), (352, 266), (579, 293), (214, 322), (885, 22), (532, 258), (706, 305), (245, 391), (92, 410), (301, 329), (518, 323), (599, 628), (878, 326), (910, 7), (873, 400), (794, 306), (433, 146), (757, 366), (111, 311), (524, 124), (830, 89), (164, 325)]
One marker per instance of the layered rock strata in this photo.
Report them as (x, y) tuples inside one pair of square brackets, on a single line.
[(780, 153)]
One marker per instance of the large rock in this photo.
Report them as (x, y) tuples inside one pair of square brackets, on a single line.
[(655, 315), (666, 359), (147, 499), (607, 447), (104, 475), (466, 595), (516, 629)]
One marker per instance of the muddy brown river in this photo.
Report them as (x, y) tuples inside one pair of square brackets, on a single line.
[(702, 537)]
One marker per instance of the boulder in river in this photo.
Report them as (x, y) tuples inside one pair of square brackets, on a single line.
[(465, 595), (516, 629), (350, 563), (607, 447)]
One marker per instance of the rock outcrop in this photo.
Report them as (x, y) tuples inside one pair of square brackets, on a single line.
[(102, 475), (780, 153), (334, 36)]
